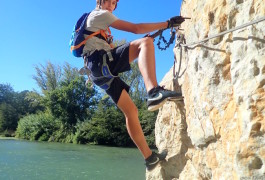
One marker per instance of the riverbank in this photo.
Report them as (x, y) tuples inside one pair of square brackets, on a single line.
[(7, 133), (8, 138)]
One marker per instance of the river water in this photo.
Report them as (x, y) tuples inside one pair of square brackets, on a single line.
[(42, 160)]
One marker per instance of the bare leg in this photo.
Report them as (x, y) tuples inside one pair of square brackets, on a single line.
[(134, 128), (145, 51)]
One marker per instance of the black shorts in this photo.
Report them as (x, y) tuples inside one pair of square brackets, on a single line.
[(119, 64)]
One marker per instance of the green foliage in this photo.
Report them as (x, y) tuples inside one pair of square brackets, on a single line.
[(69, 74), (6, 93), (107, 127), (68, 111), (82, 135), (35, 102), (7, 133), (65, 93), (47, 76), (8, 117), (119, 42), (64, 134), (20, 103), (13, 105), (23, 104), (72, 102), (37, 127)]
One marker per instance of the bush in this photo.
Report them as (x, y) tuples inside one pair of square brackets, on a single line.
[(106, 127), (82, 133), (64, 134), (37, 127), (90, 132)]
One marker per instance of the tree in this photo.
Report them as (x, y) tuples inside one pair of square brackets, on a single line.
[(21, 104), (69, 74), (107, 127), (8, 113), (8, 117), (72, 102), (13, 106), (65, 93), (47, 77), (6, 93), (35, 102)]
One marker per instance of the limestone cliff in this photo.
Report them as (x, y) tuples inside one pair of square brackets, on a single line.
[(218, 132)]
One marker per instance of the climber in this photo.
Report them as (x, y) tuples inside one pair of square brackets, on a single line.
[(105, 61)]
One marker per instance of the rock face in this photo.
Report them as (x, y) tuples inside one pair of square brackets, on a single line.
[(218, 131)]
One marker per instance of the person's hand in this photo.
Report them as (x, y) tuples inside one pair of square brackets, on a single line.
[(175, 21)]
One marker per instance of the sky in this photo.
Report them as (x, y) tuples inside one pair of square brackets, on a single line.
[(34, 32)]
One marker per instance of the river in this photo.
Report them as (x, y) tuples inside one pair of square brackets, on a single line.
[(42, 160)]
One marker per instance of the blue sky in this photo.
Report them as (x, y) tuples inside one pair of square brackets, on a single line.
[(34, 32)]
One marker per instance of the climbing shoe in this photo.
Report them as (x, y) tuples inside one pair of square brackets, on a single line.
[(154, 159), (159, 95)]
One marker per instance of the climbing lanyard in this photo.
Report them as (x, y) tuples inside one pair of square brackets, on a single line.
[(162, 38), (167, 43)]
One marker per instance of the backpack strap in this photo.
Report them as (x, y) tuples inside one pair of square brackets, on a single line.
[(84, 42), (108, 37), (100, 36)]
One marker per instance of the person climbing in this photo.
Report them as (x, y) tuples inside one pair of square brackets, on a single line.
[(105, 62)]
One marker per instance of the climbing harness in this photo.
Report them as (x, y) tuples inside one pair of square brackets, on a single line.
[(105, 71)]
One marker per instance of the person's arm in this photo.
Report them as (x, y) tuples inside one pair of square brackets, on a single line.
[(140, 28)]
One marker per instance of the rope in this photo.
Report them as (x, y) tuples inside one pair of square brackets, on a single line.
[(225, 32), (180, 40)]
